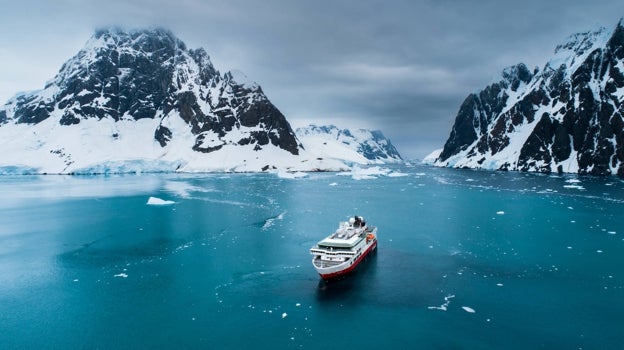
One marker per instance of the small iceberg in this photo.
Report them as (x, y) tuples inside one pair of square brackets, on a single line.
[(468, 309), (576, 187), (397, 174), (158, 201), (283, 174), (358, 173)]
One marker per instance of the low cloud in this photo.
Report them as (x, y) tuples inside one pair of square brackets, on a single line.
[(400, 66)]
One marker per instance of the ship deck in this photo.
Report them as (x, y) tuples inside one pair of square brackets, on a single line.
[(323, 264)]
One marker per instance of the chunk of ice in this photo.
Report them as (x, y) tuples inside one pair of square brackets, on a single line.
[(158, 201), (468, 309)]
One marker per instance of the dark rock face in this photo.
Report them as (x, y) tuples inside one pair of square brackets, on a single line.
[(568, 117), (150, 74), (478, 112), (379, 148)]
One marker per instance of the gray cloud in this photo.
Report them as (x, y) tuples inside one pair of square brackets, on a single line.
[(400, 66)]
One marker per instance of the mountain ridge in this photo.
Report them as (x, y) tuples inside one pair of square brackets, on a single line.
[(360, 146), (567, 117), (140, 100)]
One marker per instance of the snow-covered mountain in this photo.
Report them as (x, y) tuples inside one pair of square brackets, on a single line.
[(566, 117), (142, 101), (360, 146)]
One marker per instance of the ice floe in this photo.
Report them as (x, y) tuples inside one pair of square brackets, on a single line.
[(443, 307), (358, 173), (468, 309), (577, 187), (397, 174), (290, 175), (158, 201)]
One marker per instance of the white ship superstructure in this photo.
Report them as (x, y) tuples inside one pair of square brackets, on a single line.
[(342, 251)]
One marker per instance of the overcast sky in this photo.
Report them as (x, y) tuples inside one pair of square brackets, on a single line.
[(403, 67)]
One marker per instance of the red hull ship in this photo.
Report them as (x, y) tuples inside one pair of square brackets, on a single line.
[(342, 251)]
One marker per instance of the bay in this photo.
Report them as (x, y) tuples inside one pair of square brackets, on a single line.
[(466, 259)]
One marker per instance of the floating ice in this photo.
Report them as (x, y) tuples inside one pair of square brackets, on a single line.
[(284, 315), (158, 201), (290, 175), (500, 212), (468, 309), (397, 174), (443, 307), (358, 173), (499, 284), (122, 275), (577, 187), (271, 221), (333, 184)]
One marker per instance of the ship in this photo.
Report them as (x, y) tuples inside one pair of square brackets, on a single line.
[(342, 251)]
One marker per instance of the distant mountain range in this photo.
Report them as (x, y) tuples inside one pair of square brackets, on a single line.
[(566, 117), (360, 146), (140, 100)]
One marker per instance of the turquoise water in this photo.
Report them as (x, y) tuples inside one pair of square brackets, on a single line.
[(466, 260)]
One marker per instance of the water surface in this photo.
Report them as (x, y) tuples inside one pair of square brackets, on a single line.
[(466, 259)]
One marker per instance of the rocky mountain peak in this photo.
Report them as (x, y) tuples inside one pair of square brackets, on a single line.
[(568, 117), (579, 43), (516, 75), (150, 74)]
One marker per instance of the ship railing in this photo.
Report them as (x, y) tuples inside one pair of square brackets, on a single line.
[(331, 252), (325, 263)]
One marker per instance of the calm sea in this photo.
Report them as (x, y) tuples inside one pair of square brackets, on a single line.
[(466, 260)]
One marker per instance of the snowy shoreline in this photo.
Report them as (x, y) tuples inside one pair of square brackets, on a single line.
[(356, 171)]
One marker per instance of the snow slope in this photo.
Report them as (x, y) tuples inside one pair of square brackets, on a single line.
[(141, 101), (359, 146), (568, 117)]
